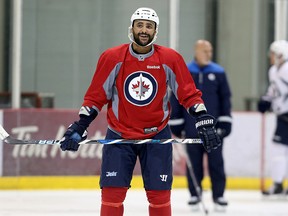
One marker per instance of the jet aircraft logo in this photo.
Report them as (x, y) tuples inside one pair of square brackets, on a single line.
[(140, 88)]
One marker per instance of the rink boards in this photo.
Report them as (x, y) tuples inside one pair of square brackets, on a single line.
[(46, 166)]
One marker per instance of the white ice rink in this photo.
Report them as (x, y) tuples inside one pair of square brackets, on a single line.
[(87, 203)]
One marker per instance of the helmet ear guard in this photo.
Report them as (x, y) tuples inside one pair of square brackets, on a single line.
[(143, 13)]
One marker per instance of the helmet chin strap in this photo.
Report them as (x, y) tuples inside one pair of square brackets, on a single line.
[(131, 37)]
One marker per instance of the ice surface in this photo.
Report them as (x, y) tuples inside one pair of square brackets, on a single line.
[(87, 203)]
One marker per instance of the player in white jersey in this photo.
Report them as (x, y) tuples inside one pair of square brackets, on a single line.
[(276, 98)]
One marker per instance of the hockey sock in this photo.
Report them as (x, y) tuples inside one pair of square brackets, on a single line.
[(112, 201), (159, 202)]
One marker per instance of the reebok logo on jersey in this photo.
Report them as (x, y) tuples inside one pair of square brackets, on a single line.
[(111, 174), (153, 66), (204, 122)]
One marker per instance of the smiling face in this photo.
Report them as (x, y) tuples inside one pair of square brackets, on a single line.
[(143, 31)]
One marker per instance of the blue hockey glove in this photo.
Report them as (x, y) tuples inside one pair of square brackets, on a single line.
[(223, 126), (74, 134), (264, 106), (77, 131), (205, 124)]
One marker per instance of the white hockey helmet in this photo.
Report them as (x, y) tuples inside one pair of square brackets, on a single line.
[(280, 49), (144, 13)]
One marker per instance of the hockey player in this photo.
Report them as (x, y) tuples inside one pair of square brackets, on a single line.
[(276, 98), (133, 79), (211, 79)]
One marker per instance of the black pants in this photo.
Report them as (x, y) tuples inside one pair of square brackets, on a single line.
[(215, 166)]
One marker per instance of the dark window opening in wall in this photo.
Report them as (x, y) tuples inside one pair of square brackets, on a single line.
[(271, 21), (6, 51), (212, 24), (271, 29)]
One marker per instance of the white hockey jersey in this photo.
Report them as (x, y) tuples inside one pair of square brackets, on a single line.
[(277, 92)]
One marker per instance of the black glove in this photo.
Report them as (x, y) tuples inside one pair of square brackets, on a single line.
[(264, 106), (205, 124), (74, 134), (223, 127)]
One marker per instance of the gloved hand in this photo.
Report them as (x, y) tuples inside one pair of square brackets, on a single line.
[(223, 126), (74, 134), (205, 124), (264, 106)]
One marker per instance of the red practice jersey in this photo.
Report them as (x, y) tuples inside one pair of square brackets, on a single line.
[(136, 89)]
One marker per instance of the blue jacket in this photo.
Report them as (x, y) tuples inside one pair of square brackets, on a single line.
[(213, 83)]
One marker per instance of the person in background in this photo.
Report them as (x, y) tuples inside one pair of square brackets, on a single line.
[(211, 79), (134, 80), (276, 98)]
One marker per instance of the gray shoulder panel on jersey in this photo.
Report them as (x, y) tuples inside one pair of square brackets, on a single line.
[(108, 84), (110, 88), (171, 79)]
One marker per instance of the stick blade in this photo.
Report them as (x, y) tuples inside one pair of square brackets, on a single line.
[(11, 140), (3, 133)]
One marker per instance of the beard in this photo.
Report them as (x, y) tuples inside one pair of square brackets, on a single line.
[(139, 42)]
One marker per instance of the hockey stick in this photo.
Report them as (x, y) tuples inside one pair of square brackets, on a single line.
[(262, 153), (194, 180), (6, 138)]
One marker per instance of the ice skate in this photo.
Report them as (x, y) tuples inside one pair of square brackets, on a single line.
[(220, 204), (275, 189), (194, 203)]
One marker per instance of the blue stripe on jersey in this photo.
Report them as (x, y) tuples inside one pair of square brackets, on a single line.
[(211, 67)]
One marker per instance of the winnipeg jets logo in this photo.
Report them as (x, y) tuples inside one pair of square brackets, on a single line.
[(140, 88)]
